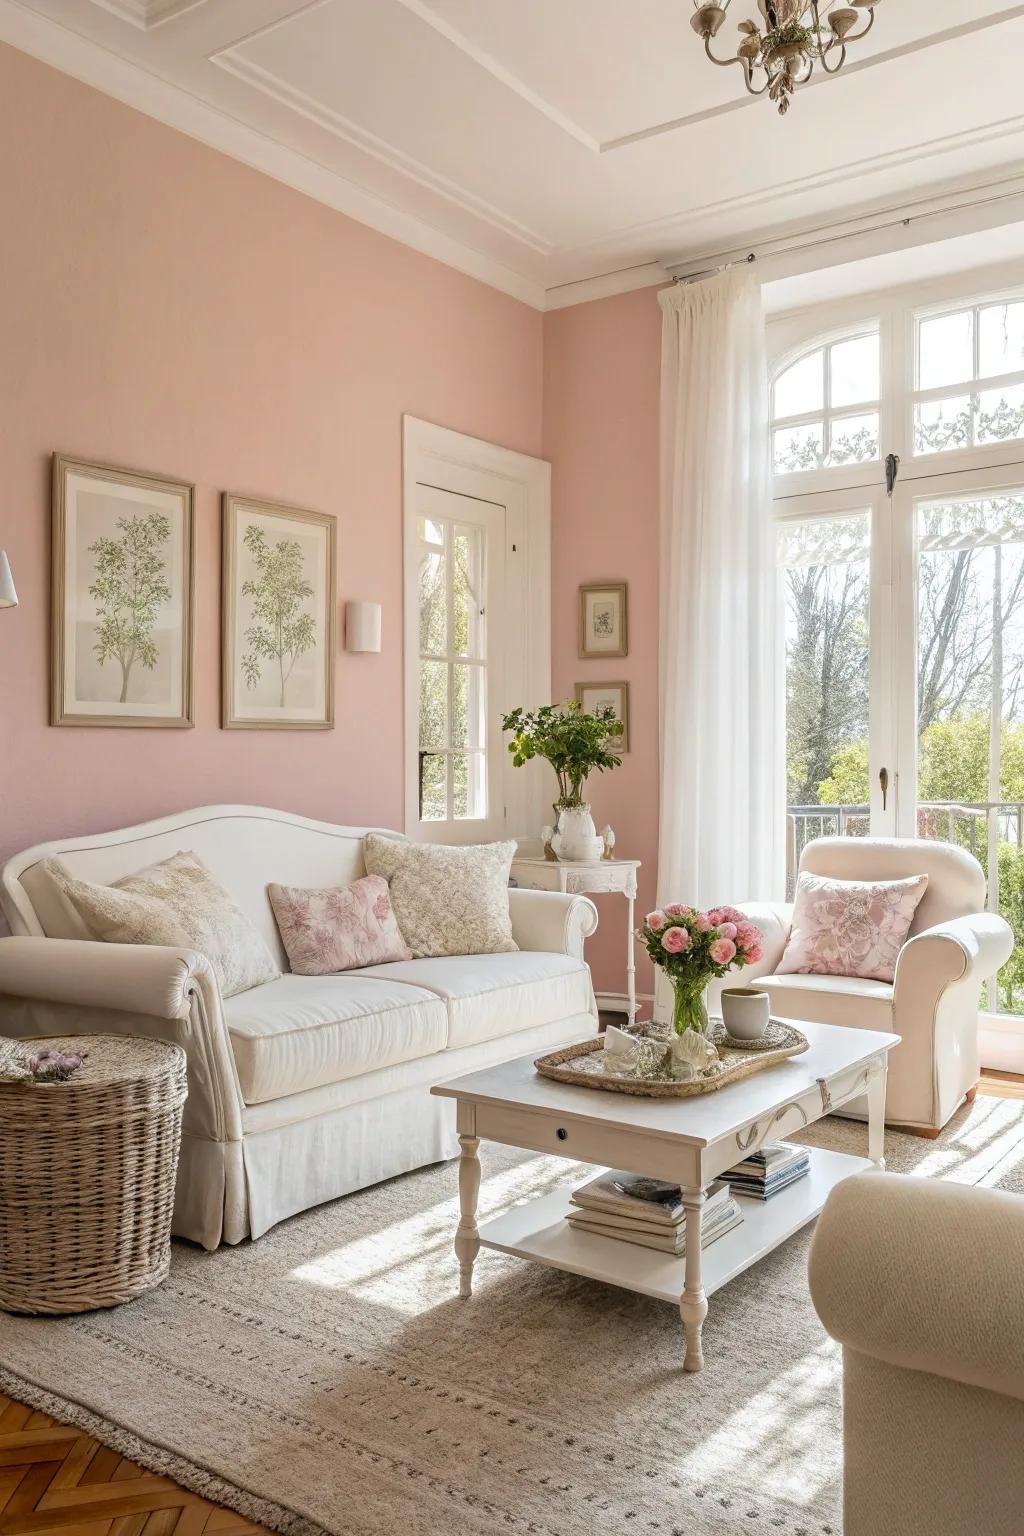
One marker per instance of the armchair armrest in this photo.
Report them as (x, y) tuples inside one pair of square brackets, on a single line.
[(551, 920), (964, 949), (924, 1275), (131, 978)]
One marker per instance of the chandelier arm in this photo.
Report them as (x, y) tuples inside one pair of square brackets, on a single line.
[(723, 63), (836, 67), (855, 37)]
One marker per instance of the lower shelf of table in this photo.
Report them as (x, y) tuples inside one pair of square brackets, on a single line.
[(539, 1231)]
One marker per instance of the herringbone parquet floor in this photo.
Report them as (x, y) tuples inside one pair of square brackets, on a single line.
[(56, 1481)]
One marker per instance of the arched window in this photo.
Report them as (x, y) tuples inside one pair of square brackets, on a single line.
[(825, 406)]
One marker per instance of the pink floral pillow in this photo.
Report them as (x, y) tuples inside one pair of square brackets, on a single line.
[(850, 927), (338, 929)]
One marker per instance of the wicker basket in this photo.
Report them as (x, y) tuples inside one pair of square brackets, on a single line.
[(87, 1170)]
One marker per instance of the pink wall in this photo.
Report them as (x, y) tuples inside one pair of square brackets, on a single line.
[(166, 308), (601, 383)]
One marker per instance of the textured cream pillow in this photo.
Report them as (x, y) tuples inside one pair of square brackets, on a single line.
[(176, 902), (448, 901)]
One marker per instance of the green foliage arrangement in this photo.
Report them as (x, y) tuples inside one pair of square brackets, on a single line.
[(575, 743)]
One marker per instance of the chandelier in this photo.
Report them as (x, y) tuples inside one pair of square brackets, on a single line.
[(779, 53)]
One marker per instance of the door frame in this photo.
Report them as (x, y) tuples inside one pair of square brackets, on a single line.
[(468, 466)]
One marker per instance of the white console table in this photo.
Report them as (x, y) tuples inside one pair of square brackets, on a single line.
[(588, 880)]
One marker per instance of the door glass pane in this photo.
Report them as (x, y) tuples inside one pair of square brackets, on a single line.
[(853, 369), (433, 788), (945, 350), (801, 389), (826, 571), (1001, 339), (433, 705), (468, 788), (799, 448), (941, 425), (467, 629), (467, 706), (971, 698), (433, 601), (853, 439)]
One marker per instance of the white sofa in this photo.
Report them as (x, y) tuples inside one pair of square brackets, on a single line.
[(954, 947), (919, 1280), (305, 1088)]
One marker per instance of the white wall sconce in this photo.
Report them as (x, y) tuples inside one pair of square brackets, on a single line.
[(8, 596), (362, 626)]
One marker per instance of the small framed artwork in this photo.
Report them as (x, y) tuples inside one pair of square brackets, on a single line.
[(121, 597), (278, 615), (603, 620), (594, 696)]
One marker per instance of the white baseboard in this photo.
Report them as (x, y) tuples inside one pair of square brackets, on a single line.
[(1001, 1042)]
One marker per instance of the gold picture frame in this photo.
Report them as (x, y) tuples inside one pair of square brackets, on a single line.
[(122, 577), (278, 616), (603, 620), (591, 696)]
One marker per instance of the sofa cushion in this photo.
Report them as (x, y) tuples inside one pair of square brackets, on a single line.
[(301, 1032), (448, 901), (849, 1000), (492, 995)]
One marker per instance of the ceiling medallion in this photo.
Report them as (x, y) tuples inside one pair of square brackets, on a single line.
[(780, 52)]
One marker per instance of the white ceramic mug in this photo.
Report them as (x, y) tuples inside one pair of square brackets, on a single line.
[(745, 1012)]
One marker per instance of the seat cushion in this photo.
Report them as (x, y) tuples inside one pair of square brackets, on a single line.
[(304, 1031), (491, 995), (849, 1000)]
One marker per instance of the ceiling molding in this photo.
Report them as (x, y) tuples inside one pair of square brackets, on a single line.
[(855, 67), (148, 13), (648, 274), (136, 87), (426, 13), (307, 106)]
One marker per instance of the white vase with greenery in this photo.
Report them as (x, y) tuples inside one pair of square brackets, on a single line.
[(576, 744)]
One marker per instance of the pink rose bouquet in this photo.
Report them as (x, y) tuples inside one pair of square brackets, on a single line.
[(693, 947)]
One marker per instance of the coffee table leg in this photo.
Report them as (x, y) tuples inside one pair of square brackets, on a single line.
[(876, 1118), (467, 1238), (693, 1303)]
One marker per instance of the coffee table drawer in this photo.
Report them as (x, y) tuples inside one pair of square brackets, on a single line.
[(606, 1146)]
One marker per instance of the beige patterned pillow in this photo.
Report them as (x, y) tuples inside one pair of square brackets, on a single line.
[(175, 902), (448, 901)]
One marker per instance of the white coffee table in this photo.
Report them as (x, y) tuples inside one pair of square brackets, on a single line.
[(690, 1141)]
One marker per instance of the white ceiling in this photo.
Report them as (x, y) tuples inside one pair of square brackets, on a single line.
[(544, 143)]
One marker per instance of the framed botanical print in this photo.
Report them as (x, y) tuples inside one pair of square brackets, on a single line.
[(594, 696), (603, 624), (278, 616), (121, 597)]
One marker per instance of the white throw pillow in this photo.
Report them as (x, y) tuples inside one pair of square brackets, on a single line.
[(448, 901), (179, 903)]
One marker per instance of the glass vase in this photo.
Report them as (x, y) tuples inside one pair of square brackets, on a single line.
[(688, 1010)]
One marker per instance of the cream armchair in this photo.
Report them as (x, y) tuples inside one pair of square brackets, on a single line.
[(920, 1283), (954, 947)]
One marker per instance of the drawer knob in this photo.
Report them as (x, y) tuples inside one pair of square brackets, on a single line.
[(562, 1133)]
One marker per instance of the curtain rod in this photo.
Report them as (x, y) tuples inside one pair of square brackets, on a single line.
[(823, 237)]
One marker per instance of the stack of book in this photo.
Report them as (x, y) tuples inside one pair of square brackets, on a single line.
[(769, 1171), (649, 1211)]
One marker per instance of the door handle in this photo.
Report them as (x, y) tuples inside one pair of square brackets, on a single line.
[(883, 779)]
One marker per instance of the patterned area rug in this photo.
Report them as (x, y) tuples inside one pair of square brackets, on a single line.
[(325, 1379)]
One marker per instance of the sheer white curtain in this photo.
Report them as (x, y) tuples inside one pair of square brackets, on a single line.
[(722, 827)]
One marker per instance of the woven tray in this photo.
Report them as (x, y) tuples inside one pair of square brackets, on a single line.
[(581, 1064)]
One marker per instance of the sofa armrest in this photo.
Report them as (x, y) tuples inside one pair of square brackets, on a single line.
[(87, 987), (551, 920), (131, 978), (924, 1275), (965, 949)]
